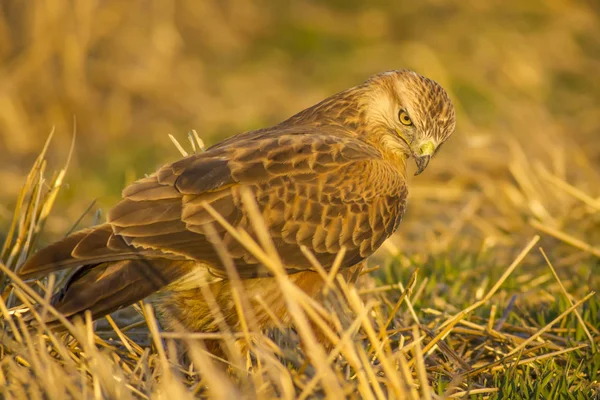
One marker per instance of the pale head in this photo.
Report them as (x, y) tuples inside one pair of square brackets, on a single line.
[(407, 114)]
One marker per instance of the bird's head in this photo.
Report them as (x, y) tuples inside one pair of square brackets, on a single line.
[(407, 115)]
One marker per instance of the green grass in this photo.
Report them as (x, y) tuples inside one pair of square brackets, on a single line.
[(454, 281)]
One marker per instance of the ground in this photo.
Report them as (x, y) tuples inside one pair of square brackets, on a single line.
[(499, 247)]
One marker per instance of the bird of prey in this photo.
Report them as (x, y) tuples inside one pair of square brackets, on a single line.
[(331, 176)]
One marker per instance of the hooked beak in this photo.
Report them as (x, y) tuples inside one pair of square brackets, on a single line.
[(422, 162), (423, 155)]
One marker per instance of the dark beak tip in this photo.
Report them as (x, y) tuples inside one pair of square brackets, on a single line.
[(422, 163)]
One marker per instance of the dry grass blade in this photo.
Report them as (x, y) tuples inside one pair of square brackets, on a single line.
[(40, 300), (178, 146), (568, 297), (570, 189), (565, 237), (405, 293), (447, 326), (420, 363), (21, 202), (549, 325)]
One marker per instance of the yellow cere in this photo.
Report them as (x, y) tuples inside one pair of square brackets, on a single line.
[(427, 148)]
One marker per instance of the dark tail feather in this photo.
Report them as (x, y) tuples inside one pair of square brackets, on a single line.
[(89, 246), (107, 287)]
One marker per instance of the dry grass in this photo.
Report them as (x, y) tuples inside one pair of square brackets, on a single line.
[(466, 301), (378, 350)]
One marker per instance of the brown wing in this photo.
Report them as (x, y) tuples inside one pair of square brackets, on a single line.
[(319, 191), (323, 192)]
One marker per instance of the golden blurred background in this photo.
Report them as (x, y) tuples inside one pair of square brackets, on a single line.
[(524, 76)]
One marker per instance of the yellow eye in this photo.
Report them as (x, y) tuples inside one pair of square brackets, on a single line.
[(404, 118)]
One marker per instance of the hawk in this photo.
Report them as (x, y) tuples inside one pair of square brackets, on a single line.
[(331, 176)]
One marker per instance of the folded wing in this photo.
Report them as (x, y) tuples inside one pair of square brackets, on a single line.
[(322, 191)]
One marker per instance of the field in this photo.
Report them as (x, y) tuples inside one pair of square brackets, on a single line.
[(488, 290)]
